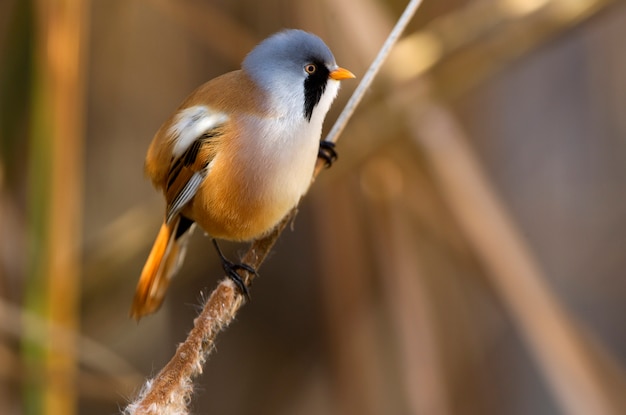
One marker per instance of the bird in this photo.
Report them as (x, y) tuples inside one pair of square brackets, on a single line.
[(238, 154)]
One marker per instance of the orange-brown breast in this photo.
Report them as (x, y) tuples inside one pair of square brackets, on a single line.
[(230, 203)]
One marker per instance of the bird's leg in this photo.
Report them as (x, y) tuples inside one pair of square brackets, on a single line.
[(231, 269), (327, 152)]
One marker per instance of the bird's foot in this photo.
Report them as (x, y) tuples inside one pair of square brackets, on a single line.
[(231, 271), (327, 152), (231, 268)]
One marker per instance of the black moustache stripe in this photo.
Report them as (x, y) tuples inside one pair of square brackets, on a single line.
[(314, 86)]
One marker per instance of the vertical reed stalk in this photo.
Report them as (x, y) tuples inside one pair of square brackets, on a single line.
[(55, 168)]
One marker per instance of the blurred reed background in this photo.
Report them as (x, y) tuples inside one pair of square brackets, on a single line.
[(466, 254)]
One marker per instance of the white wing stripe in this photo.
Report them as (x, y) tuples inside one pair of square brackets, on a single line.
[(191, 123), (185, 195)]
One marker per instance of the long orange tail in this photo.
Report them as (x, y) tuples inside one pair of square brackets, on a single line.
[(165, 257)]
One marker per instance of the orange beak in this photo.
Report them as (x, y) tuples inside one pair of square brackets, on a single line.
[(341, 73)]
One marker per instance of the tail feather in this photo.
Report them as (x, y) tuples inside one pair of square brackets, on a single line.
[(163, 262)]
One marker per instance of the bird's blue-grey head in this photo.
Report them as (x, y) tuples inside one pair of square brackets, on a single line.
[(292, 65)]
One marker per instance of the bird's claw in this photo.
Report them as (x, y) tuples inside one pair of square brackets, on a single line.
[(231, 271), (231, 268), (327, 152)]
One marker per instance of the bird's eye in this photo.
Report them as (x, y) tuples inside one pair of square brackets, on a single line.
[(310, 68)]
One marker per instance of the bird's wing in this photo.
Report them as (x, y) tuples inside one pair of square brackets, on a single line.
[(180, 154), (187, 170)]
